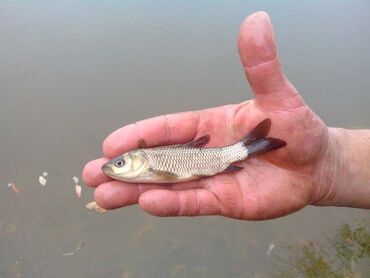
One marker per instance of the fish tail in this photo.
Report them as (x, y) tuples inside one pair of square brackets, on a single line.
[(256, 141)]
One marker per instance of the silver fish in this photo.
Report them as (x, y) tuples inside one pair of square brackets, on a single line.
[(191, 161)]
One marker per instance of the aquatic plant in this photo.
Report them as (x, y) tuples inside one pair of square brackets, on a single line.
[(337, 257)]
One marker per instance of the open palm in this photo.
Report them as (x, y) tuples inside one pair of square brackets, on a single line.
[(270, 185)]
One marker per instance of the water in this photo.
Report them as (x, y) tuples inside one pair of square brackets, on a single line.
[(73, 71)]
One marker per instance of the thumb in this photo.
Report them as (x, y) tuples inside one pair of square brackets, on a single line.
[(261, 64)]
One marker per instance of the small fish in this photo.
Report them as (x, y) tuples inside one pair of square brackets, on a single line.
[(180, 163)]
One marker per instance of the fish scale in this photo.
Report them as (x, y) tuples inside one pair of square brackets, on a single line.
[(184, 161)]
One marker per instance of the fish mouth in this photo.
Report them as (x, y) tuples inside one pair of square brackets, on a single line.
[(107, 170)]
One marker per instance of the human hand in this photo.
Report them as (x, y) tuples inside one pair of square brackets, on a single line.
[(270, 185)]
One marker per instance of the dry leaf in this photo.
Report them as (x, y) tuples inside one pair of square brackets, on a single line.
[(76, 180), (42, 180), (94, 206), (13, 187), (78, 190)]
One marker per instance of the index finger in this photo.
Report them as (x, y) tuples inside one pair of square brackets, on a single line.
[(162, 130)]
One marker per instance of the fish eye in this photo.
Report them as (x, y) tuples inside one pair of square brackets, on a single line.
[(120, 163)]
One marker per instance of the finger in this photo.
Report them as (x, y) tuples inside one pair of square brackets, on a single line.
[(92, 174), (261, 64), (162, 130), (117, 194), (192, 202)]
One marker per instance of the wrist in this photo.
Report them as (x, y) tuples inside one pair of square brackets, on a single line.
[(344, 171)]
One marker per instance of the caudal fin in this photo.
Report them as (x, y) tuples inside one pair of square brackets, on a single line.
[(257, 142), (258, 132), (264, 145)]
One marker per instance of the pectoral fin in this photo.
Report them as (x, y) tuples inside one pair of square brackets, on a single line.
[(164, 174)]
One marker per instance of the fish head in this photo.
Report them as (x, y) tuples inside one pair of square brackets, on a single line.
[(127, 167)]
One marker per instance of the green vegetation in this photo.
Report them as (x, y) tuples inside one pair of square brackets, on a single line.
[(338, 257)]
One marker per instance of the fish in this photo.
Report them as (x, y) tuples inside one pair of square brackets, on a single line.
[(190, 161)]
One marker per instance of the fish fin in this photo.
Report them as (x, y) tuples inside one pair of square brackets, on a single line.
[(199, 142), (141, 144), (257, 142), (264, 145), (164, 174), (232, 168), (258, 132)]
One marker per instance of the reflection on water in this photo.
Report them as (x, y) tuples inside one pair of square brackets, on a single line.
[(72, 71)]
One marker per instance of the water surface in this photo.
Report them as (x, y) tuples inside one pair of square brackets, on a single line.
[(73, 71)]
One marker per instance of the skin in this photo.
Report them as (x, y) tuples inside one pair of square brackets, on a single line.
[(319, 166)]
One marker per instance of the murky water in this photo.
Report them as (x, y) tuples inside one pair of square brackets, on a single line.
[(73, 71)]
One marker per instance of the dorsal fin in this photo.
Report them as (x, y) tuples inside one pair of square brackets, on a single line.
[(199, 142), (141, 144)]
